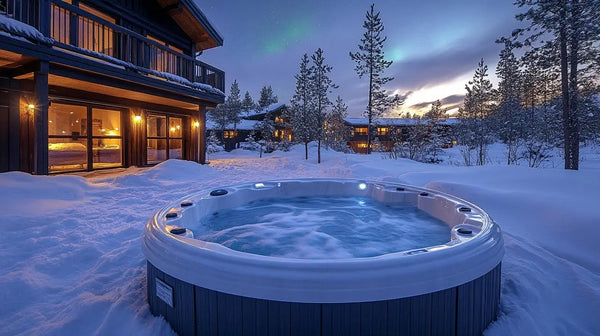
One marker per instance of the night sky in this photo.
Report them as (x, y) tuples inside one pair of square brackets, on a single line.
[(435, 45)]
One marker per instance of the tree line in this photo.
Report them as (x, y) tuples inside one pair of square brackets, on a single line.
[(546, 98)]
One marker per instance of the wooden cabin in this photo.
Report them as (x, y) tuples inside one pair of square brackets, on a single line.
[(87, 85), (234, 135), (385, 132)]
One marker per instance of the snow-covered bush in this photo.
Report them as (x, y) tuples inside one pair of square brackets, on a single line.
[(213, 144)]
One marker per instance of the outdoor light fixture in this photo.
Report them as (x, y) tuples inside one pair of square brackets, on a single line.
[(137, 118), (31, 106), (197, 124)]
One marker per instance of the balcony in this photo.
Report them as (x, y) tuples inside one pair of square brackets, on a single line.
[(91, 34)]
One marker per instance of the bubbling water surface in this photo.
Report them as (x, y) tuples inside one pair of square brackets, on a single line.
[(322, 228)]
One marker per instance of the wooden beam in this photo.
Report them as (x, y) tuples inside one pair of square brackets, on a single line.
[(41, 120), (202, 135), (14, 128)]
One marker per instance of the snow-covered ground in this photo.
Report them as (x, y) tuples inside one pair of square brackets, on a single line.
[(72, 262)]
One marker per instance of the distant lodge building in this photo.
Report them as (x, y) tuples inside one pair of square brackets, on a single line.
[(233, 135), (385, 131), (92, 84)]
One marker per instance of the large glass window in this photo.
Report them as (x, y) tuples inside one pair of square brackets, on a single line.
[(82, 137), (106, 138), (163, 142), (67, 137)]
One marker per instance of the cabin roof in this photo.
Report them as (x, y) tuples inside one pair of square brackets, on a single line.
[(193, 22), (392, 121)]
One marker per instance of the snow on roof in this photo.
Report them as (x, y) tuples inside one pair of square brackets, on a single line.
[(21, 29), (243, 125), (270, 108), (393, 121)]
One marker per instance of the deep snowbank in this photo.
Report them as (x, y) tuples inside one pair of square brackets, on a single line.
[(71, 247)]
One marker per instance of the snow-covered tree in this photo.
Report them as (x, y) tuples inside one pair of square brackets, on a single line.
[(474, 129), (370, 63), (233, 105), (508, 117), (301, 113), (213, 143), (571, 29), (266, 127), (251, 143), (437, 132), (220, 117), (266, 97), (541, 120), (248, 104), (336, 130), (320, 86)]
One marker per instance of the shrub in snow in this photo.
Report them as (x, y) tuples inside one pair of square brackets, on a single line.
[(214, 144), (250, 142)]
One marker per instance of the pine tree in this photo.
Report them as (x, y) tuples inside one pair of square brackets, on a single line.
[(320, 86), (266, 97), (370, 63), (436, 136), (233, 105), (474, 127), (337, 132), (220, 117), (266, 128), (213, 145), (248, 104), (302, 106), (572, 29), (508, 114)]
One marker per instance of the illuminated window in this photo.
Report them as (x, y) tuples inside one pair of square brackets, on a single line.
[(279, 120), (382, 130), (81, 137), (162, 142), (161, 59), (230, 134), (91, 35), (361, 131)]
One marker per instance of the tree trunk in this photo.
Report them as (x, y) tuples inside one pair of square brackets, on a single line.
[(319, 151), (564, 81), (306, 150), (573, 123)]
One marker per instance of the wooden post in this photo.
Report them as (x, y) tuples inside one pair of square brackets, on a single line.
[(40, 148), (202, 135), (14, 128), (44, 17)]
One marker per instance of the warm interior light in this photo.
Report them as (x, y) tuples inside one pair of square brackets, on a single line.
[(138, 118), (172, 129)]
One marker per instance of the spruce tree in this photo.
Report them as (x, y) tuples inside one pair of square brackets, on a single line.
[(370, 63), (572, 29), (233, 105), (508, 115), (302, 106), (320, 86), (474, 127), (220, 117), (266, 97), (248, 104), (337, 132)]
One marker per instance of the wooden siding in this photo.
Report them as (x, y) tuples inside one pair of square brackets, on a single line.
[(463, 310)]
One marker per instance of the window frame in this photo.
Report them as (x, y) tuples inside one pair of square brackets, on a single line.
[(167, 136), (89, 137)]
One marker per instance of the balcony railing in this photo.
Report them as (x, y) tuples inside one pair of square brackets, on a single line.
[(79, 31)]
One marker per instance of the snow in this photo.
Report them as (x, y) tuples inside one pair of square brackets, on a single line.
[(71, 245), (394, 121), (21, 29), (244, 124), (270, 108)]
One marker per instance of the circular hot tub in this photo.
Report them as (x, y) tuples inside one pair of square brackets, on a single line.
[(447, 286)]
